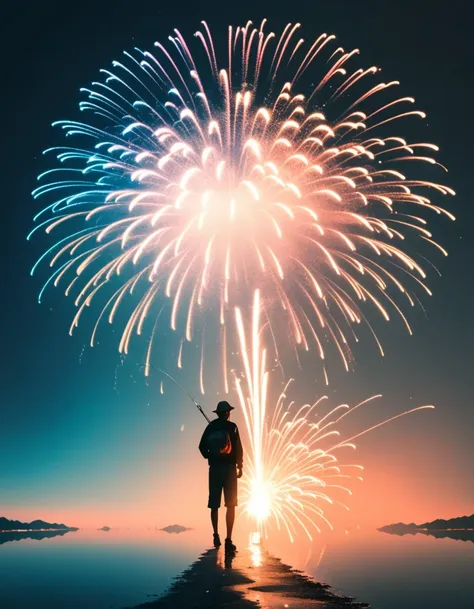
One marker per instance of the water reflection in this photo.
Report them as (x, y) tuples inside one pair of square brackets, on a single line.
[(214, 580), (223, 560), (93, 569), (38, 535), (255, 555), (390, 572), (128, 567), (250, 578), (458, 534)]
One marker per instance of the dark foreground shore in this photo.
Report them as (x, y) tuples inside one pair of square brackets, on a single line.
[(253, 578)]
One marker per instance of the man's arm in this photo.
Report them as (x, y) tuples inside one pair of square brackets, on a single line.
[(239, 452), (203, 449)]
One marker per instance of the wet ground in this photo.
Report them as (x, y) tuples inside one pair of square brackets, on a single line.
[(251, 578)]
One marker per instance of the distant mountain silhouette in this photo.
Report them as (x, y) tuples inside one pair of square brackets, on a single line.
[(175, 528), (400, 528), (7, 536), (461, 528), (463, 522), (36, 525)]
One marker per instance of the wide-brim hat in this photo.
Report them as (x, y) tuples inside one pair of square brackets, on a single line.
[(223, 407)]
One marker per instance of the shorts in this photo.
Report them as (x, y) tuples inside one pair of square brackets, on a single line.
[(222, 477)]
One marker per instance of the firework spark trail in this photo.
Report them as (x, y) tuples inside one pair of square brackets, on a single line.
[(194, 180), (293, 472)]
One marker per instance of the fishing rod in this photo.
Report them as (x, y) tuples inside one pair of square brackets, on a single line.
[(198, 406)]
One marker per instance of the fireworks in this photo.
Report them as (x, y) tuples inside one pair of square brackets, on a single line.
[(270, 168), (202, 176), (294, 471)]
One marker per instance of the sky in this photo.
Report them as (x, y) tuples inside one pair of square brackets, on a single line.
[(83, 438)]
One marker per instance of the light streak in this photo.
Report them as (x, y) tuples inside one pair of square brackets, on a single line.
[(295, 471)]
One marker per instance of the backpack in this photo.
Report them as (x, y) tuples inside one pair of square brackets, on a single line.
[(219, 443)]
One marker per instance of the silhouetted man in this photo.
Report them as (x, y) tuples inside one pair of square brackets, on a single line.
[(221, 446)]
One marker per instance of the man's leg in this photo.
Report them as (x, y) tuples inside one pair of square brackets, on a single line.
[(215, 519), (229, 519), (230, 492), (215, 492)]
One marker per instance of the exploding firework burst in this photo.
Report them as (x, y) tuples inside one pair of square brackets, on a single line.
[(294, 472), (273, 165)]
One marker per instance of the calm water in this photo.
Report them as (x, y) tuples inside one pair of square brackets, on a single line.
[(409, 572), (100, 570)]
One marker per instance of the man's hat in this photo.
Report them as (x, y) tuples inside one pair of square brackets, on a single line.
[(223, 407)]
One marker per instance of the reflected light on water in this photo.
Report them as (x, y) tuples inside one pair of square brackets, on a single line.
[(254, 538), (255, 549)]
